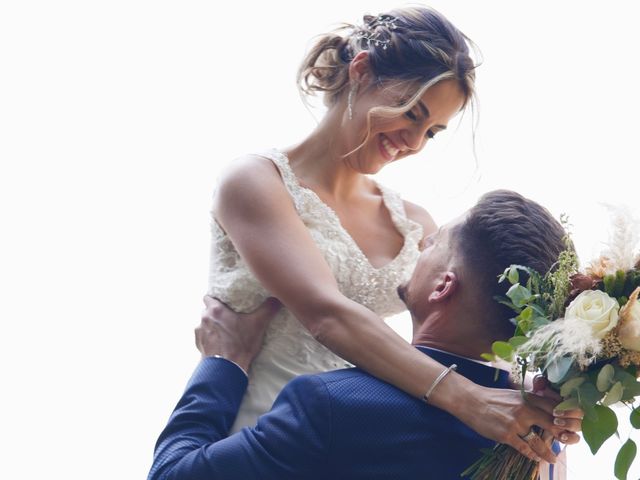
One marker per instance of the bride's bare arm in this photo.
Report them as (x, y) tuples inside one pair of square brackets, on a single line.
[(254, 208)]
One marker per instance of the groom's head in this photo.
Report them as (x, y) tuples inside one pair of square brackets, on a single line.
[(451, 293)]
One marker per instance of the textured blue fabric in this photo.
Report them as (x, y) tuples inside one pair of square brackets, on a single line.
[(344, 424)]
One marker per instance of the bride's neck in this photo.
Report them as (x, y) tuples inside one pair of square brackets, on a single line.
[(318, 161)]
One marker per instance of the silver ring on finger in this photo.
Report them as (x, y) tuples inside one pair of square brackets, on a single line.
[(529, 436)]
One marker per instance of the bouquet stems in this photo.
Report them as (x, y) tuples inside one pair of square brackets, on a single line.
[(503, 463)]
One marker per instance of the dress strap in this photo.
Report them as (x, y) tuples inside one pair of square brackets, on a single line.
[(393, 201), (395, 206), (281, 161)]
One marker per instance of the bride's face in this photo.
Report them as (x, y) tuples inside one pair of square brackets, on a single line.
[(391, 139)]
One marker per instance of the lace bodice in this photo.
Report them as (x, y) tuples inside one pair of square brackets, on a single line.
[(289, 349)]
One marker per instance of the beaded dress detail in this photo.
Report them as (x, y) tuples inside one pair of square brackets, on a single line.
[(289, 349)]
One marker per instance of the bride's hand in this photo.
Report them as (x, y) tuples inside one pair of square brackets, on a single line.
[(539, 385), (573, 418), (506, 417)]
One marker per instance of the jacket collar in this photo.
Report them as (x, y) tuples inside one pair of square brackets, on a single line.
[(484, 375)]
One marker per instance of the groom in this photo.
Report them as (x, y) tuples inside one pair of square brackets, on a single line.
[(346, 423)]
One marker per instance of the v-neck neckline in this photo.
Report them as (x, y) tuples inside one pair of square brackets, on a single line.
[(336, 219)]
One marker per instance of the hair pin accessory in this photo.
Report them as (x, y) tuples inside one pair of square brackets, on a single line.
[(367, 34)]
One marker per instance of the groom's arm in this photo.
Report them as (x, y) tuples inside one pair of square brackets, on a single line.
[(290, 441), (203, 415)]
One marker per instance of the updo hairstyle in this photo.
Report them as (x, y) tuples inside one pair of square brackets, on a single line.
[(409, 48)]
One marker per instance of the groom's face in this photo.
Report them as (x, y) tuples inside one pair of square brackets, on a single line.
[(434, 260)]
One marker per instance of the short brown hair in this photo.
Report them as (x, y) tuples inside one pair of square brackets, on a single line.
[(502, 229)]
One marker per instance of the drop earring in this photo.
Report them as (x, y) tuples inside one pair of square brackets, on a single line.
[(352, 92)]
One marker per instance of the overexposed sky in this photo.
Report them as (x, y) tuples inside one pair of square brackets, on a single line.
[(115, 120)]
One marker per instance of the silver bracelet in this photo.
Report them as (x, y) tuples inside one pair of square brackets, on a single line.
[(437, 381)]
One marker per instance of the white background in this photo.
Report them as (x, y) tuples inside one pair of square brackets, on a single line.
[(115, 119)]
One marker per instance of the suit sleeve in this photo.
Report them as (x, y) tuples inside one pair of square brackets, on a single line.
[(290, 441)]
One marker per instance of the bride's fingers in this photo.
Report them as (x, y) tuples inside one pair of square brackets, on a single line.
[(539, 383), (569, 438), (547, 437), (541, 448), (569, 424), (535, 448), (541, 415), (545, 404), (542, 388), (576, 413), (523, 448)]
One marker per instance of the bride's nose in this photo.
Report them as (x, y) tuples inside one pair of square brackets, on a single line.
[(416, 136)]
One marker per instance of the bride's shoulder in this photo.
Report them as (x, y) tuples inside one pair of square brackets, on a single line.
[(250, 171), (248, 167), (246, 179), (420, 215)]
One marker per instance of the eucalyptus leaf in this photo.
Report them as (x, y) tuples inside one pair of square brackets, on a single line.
[(625, 377), (588, 395), (515, 342), (596, 432), (538, 310), (614, 395), (630, 384), (488, 357), (605, 376), (518, 332), (519, 295), (634, 418), (590, 413), (625, 458), (558, 368), (514, 276), (538, 321), (502, 350), (523, 319), (570, 385), (631, 391), (569, 404)]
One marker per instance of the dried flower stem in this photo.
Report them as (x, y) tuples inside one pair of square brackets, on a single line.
[(503, 463)]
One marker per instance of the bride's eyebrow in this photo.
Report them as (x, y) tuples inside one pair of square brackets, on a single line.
[(423, 107)]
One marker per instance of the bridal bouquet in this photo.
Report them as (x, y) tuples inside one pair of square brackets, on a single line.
[(580, 330)]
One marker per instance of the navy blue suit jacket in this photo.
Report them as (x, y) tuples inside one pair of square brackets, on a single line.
[(343, 424)]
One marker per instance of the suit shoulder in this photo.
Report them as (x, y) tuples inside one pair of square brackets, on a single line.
[(353, 386)]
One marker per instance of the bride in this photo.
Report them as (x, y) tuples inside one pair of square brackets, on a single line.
[(307, 225)]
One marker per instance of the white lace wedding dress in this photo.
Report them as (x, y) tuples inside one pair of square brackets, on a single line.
[(289, 350)]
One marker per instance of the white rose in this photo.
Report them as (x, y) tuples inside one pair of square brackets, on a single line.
[(629, 331), (596, 309)]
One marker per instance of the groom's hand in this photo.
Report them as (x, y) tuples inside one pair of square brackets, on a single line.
[(234, 336)]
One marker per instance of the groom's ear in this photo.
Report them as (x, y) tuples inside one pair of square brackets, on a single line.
[(446, 286)]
